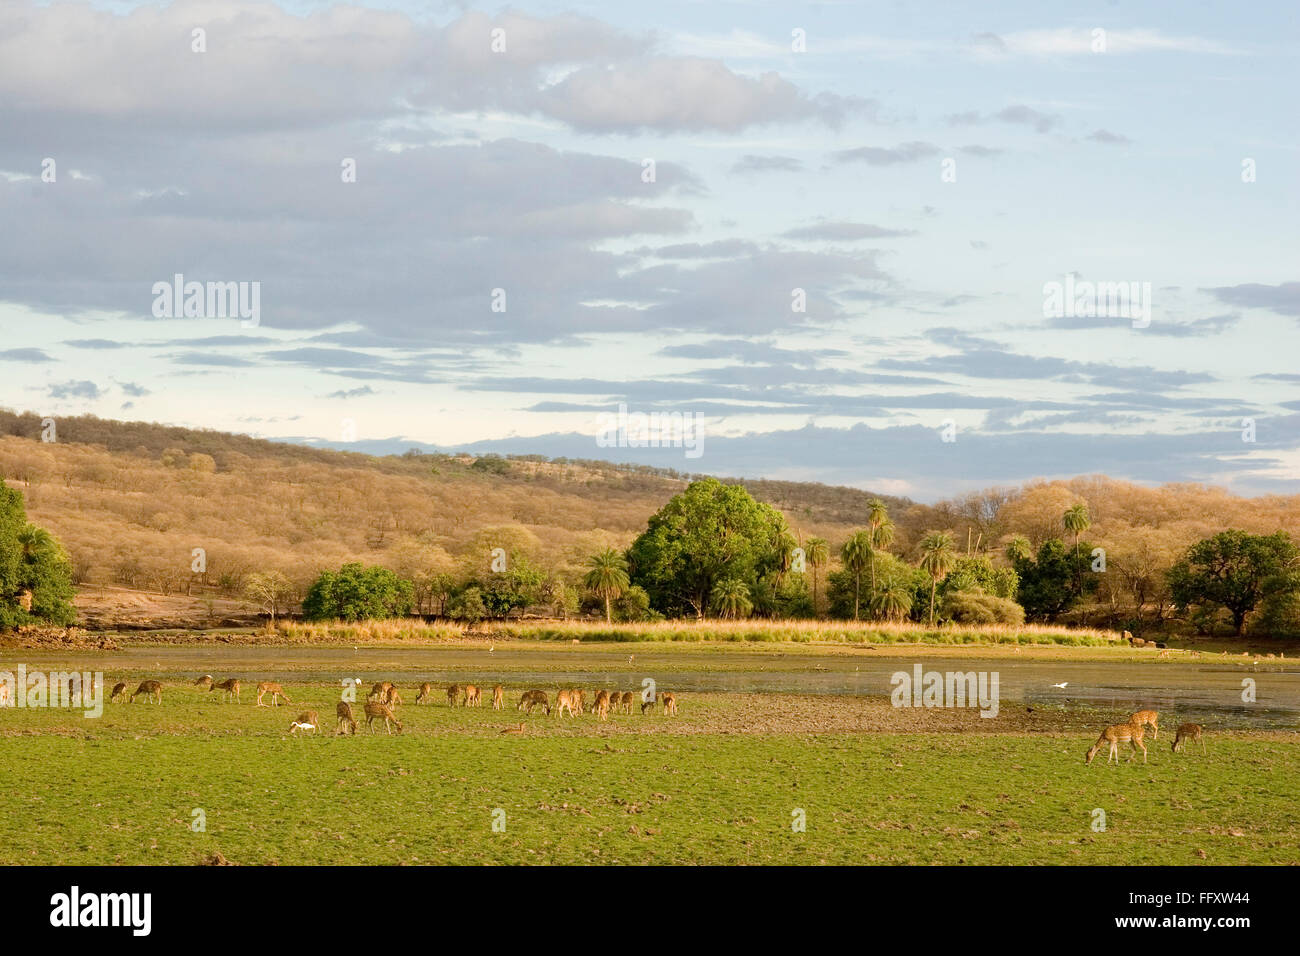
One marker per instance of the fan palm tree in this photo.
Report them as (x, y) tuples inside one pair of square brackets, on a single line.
[(856, 555), (892, 601), (1077, 520), (731, 598), (937, 559), (607, 576), (818, 555), (877, 515), (1019, 549), (882, 536)]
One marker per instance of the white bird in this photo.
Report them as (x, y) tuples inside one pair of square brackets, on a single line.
[(631, 658), (1062, 684), (492, 648)]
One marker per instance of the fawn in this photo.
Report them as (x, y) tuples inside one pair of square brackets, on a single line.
[(498, 697), (376, 710), (1146, 717), (531, 699), (119, 691), (564, 701), (1186, 732), (204, 682), (276, 692), (472, 698), (426, 693), (307, 720), (1115, 735), (602, 705), (670, 703), (347, 724), (231, 687), (150, 689)]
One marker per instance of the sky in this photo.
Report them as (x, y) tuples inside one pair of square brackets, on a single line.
[(830, 235)]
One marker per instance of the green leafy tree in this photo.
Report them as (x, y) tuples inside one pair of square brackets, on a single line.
[(357, 593), (1235, 571), (467, 605), (893, 602), (35, 573), (818, 555), (1054, 582), (731, 598), (882, 533), (856, 556), (706, 534), (1077, 520), (937, 559), (607, 576)]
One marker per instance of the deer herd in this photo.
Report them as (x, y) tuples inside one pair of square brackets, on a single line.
[(1133, 733), (384, 698)]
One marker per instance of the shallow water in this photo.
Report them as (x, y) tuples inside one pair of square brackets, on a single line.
[(1210, 691)]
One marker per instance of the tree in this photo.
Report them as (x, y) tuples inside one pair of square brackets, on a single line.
[(937, 559), (467, 605), (818, 555), (357, 593), (706, 534), (856, 556), (1235, 571), (1055, 582), (1076, 521), (894, 601), (1019, 549), (35, 573), (731, 598), (607, 576), (882, 532), (271, 591)]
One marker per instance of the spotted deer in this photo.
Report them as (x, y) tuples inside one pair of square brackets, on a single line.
[(580, 698), (531, 699), (204, 682), (498, 697), (119, 691), (150, 689), (670, 703), (564, 700), (377, 711), (276, 692), (453, 695), (347, 723), (1115, 735), (1147, 718), (425, 695), (307, 720), (473, 696), (380, 691), (602, 705), (231, 688), (1186, 732), (625, 702)]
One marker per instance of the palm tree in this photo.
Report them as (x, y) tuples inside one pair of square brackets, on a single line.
[(893, 601), (1077, 521), (937, 559), (607, 576), (856, 555), (1019, 549), (882, 536), (731, 598), (818, 555), (877, 515)]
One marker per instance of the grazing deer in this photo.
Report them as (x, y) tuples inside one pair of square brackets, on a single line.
[(276, 692), (150, 689), (602, 705), (518, 729), (426, 693), (498, 697), (375, 710), (647, 705), (394, 698), (119, 691), (625, 702), (564, 700), (1147, 718), (472, 696), (670, 703), (231, 687), (1186, 732), (204, 682), (380, 691), (580, 697), (347, 724), (1115, 735), (534, 698), (307, 720), (453, 695)]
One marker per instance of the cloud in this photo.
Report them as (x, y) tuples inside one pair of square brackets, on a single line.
[(75, 389), (1108, 138), (24, 355), (1017, 114), (884, 156), (1095, 41), (766, 164), (846, 231), (1284, 299)]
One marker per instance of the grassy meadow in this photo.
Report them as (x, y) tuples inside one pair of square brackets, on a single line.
[(719, 783)]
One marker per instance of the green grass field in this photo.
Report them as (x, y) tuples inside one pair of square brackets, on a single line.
[(701, 788)]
